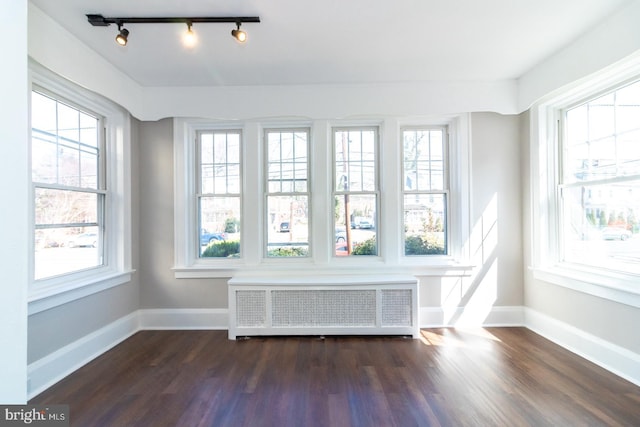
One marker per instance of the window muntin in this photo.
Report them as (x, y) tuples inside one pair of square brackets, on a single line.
[(599, 186), (425, 185), (355, 191), (218, 193), (287, 192), (68, 187)]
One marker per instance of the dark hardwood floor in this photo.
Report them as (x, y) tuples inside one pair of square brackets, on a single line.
[(450, 377)]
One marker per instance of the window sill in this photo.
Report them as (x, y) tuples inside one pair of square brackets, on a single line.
[(615, 287), (441, 269), (41, 299)]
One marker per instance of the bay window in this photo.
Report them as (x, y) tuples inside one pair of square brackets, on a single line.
[(320, 195)]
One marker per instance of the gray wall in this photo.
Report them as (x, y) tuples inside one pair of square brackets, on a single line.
[(159, 288), (495, 244)]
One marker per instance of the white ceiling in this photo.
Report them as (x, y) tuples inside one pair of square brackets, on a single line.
[(333, 41)]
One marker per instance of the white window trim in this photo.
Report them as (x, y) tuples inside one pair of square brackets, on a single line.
[(544, 176), (390, 259), (117, 270)]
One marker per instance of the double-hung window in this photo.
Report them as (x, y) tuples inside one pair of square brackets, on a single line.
[(425, 183), (67, 148), (355, 191), (218, 195), (287, 190), (599, 181)]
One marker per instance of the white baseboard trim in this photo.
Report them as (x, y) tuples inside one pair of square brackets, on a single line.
[(45, 372), (613, 358), (438, 317), (205, 318)]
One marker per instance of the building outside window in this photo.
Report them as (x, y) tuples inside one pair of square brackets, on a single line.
[(218, 194), (287, 190), (599, 181), (355, 191), (425, 191)]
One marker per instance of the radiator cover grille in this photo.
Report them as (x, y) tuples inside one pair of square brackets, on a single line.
[(251, 308), (323, 308)]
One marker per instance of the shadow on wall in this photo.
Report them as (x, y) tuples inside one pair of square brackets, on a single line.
[(468, 301)]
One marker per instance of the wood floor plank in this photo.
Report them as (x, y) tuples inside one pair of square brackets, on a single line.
[(449, 377)]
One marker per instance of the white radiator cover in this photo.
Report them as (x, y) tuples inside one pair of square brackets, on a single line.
[(327, 305)]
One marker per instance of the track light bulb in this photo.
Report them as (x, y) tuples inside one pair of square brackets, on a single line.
[(122, 36), (238, 34), (190, 39)]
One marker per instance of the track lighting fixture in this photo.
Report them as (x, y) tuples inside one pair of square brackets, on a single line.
[(123, 35), (239, 35), (189, 37)]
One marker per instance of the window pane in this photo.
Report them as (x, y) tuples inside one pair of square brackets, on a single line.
[(66, 250), (355, 160), (219, 162), (629, 149), (60, 207), (288, 226), (601, 225), (287, 161), (355, 225), (65, 144), (423, 153), (43, 113), (425, 224), (603, 137), (219, 219)]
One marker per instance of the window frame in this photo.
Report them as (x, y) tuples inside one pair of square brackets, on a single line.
[(267, 193), (100, 189), (445, 192), (116, 268), (546, 151), (198, 182), (335, 192)]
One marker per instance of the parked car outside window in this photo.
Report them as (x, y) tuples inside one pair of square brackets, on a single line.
[(206, 238), (615, 233)]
